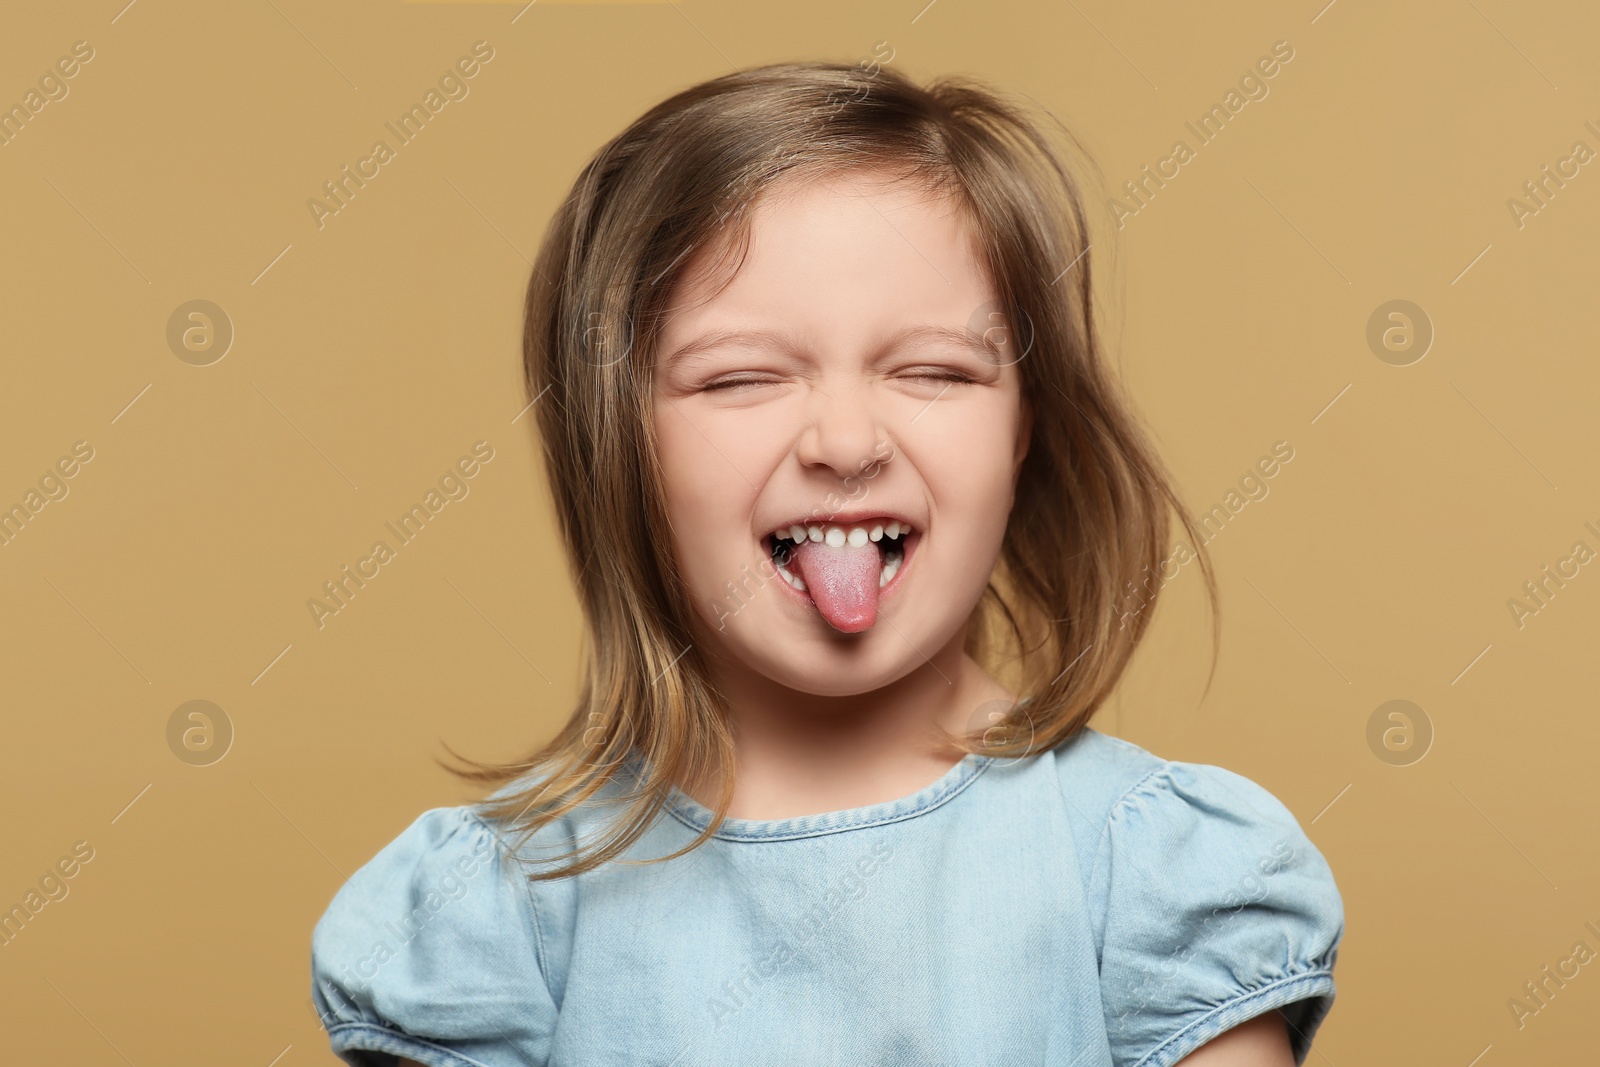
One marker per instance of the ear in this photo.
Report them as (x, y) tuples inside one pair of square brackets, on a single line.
[(1024, 435)]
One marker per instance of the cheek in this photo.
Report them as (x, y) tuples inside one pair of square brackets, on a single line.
[(984, 497), (716, 458), (695, 466), (708, 501), (970, 462), (686, 474), (969, 470)]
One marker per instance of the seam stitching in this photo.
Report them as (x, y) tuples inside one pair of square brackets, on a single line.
[(1307, 978)]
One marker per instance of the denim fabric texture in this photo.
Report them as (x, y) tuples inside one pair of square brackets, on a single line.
[(1090, 906)]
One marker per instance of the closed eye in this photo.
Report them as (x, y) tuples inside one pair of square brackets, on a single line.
[(941, 375), (932, 374), (734, 383)]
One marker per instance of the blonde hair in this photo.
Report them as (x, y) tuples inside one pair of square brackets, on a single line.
[(1090, 520)]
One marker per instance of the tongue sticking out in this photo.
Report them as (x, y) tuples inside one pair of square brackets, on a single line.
[(843, 582)]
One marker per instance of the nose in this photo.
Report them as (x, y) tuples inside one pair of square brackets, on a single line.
[(842, 432)]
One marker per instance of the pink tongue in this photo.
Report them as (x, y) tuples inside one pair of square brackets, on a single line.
[(843, 582)]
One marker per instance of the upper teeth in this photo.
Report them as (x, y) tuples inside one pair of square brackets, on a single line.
[(837, 536)]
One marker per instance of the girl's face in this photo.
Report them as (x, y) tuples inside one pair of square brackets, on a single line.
[(839, 385)]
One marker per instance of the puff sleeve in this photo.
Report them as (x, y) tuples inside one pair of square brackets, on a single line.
[(1216, 909), (431, 951)]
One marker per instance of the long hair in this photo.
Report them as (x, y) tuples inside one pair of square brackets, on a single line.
[(1071, 592)]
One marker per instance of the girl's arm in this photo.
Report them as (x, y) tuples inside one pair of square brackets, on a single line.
[(1261, 1042)]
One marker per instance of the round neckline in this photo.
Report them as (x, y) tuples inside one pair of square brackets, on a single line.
[(940, 791)]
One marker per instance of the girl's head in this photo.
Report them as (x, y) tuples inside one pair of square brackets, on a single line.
[(841, 380), (813, 295)]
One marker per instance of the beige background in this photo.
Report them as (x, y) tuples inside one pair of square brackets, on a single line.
[(373, 352)]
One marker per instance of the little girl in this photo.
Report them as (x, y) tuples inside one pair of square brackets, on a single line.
[(855, 513)]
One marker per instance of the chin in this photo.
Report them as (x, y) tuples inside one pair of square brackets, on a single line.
[(838, 676), (822, 662)]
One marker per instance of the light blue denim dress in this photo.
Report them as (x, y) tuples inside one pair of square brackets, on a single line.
[(1093, 905)]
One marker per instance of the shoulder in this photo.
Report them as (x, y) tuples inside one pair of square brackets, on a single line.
[(1097, 770), (1208, 902), (431, 950), (1096, 774), (446, 866), (1125, 800)]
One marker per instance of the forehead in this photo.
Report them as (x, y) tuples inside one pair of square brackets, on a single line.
[(831, 257)]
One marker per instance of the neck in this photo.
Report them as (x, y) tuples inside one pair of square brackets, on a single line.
[(798, 753)]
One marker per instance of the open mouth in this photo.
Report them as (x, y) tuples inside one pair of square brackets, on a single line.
[(892, 537), (843, 568)]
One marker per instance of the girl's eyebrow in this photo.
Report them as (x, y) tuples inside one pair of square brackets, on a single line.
[(978, 344), (776, 340)]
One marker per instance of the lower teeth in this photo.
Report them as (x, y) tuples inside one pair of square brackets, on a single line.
[(893, 558)]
